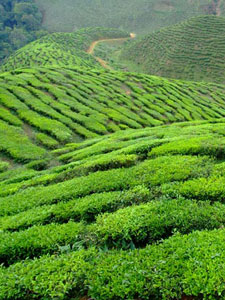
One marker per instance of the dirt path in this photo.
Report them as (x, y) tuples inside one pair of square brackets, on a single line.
[(95, 43), (218, 10), (102, 62)]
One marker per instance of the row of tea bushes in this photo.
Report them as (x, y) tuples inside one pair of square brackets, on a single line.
[(163, 271)]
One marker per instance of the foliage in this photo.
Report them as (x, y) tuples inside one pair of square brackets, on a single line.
[(60, 49), (3, 166), (45, 107), (106, 173), (122, 191), (163, 271), (192, 50), (20, 23)]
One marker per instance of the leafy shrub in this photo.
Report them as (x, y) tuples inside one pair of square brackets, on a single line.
[(201, 145), (163, 271), (3, 166), (139, 225), (38, 164), (151, 172), (211, 188), (38, 240), (47, 141), (15, 144), (85, 209)]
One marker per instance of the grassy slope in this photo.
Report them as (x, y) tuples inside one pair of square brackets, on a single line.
[(192, 50), (61, 49), (142, 186), (84, 181), (48, 107), (140, 16)]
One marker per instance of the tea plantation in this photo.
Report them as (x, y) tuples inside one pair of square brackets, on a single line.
[(111, 183), (131, 214), (61, 49), (43, 108), (192, 50)]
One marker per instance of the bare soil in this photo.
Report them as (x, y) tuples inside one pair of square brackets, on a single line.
[(102, 62)]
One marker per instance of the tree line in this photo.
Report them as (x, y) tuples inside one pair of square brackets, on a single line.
[(20, 23)]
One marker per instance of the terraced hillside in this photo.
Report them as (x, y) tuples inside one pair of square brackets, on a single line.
[(111, 183), (44, 108), (141, 16), (192, 50), (61, 49), (126, 216)]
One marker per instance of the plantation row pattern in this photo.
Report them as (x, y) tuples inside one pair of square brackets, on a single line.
[(123, 191), (43, 108), (191, 50), (60, 49)]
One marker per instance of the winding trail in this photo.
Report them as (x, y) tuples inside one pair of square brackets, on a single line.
[(93, 45), (218, 10), (215, 7)]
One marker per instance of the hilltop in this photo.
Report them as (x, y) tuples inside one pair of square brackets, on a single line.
[(60, 49), (140, 16), (192, 50), (22, 21)]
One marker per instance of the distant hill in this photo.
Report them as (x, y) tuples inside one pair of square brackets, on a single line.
[(192, 50), (141, 16), (61, 49)]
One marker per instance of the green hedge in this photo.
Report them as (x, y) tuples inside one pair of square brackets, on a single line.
[(17, 145), (211, 188), (150, 172), (191, 265), (130, 227), (66, 172), (4, 166), (38, 240), (211, 146), (136, 226), (85, 209)]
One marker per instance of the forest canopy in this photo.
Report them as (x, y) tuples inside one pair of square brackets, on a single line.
[(20, 23)]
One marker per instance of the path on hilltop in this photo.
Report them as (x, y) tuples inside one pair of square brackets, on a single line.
[(93, 45), (214, 7), (218, 10)]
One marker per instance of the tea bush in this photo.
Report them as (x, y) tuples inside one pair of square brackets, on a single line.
[(163, 271), (182, 51)]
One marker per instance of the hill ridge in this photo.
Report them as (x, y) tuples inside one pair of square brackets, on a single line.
[(191, 50), (61, 49)]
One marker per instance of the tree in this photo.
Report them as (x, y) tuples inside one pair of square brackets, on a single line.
[(20, 23)]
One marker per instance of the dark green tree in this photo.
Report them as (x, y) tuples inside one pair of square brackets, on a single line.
[(20, 23)]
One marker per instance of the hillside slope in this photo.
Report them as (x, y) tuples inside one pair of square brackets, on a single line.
[(60, 49), (113, 210), (111, 183), (44, 108), (192, 50), (140, 16)]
